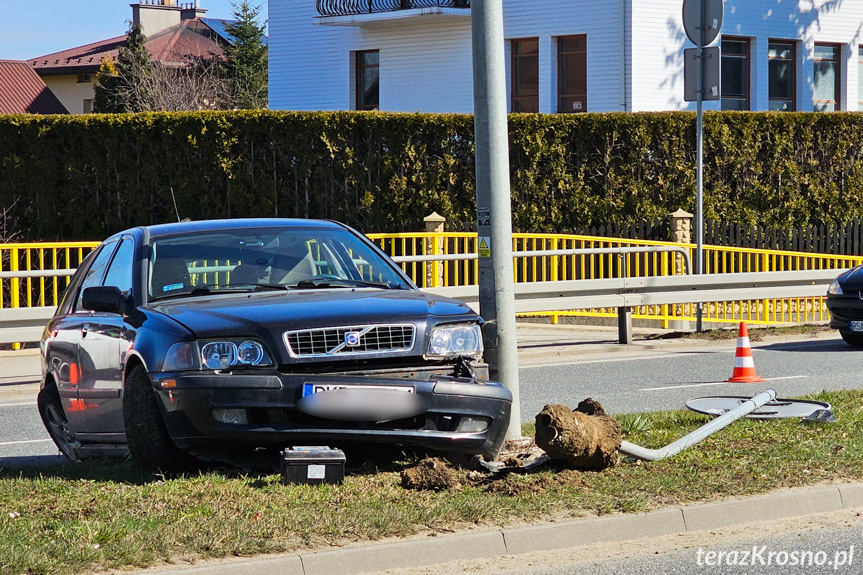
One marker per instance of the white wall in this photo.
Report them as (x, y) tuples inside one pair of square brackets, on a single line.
[(308, 63), (425, 61), (635, 52), (603, 24), (806, 21), (658, 41)]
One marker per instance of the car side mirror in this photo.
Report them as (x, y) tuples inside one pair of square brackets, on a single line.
[(104, 298)]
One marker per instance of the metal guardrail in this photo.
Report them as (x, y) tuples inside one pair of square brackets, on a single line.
[(626, 293), (354, 7), (26, 324)]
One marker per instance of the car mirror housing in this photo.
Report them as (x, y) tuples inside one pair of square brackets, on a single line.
[(104, 298)]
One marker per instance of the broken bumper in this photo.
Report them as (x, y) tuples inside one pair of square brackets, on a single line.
[(451, 414)]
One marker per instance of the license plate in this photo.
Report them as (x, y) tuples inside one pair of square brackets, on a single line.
[(310, 388), (856, 326)]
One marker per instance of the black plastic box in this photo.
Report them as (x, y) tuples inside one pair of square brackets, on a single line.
[(313, 464)]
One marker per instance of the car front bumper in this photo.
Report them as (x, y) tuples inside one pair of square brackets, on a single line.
[(271, 405), (843, 310)]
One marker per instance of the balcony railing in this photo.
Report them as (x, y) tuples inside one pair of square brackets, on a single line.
[(354, 7)]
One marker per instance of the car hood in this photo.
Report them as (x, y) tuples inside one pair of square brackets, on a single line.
[(269, 315), (852, 279)]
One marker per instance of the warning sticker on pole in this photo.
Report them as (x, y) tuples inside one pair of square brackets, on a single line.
[(484, 247)]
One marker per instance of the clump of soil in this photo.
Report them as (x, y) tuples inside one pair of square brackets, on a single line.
[(586, 437), (513, 486), (431, 474)]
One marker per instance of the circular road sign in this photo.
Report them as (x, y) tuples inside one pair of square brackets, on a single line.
[(776, 409), (711, 19)]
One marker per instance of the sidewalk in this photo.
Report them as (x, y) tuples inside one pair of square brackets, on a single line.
[(435, 549)]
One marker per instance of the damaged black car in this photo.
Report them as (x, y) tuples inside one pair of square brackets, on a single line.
[(193, 340)]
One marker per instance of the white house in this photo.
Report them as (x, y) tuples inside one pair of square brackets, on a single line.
[(562, 55)]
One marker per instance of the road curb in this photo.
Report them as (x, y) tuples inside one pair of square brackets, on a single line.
[(20, 390), (434, 549)]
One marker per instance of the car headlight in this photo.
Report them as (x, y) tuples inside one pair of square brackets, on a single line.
[(455, 340), (216, 355), (835, 288)]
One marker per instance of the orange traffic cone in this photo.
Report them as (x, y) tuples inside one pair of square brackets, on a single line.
[(744, 367)]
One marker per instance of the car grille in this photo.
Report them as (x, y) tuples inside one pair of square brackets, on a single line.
[(350, 340)]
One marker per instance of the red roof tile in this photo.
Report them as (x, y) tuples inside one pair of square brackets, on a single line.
[(85, 58), (22, 91), (173, 47)]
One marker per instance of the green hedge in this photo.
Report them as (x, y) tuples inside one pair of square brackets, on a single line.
[(84, 177)]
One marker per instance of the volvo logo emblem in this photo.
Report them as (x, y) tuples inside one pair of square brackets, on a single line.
[(352, 338)]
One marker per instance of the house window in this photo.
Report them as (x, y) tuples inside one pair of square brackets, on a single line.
[(368, 77), (88, 106), (826, 78), (84, 77), (572, 74), (781, 76), (735, 73), (525, 75)]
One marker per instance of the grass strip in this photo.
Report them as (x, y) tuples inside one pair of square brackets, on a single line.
[(107, 515)]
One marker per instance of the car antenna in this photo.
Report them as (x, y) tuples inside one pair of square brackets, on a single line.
[(176, 211)]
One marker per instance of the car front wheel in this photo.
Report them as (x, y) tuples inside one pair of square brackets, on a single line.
[(54, 418), (149, 442)]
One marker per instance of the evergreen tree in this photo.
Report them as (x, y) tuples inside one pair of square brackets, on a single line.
[(246, 58), (120, 86)]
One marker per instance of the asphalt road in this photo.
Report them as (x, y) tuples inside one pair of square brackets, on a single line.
[(23, 439), (655, 381)]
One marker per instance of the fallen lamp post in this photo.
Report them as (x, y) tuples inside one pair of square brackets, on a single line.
[(701, 433)]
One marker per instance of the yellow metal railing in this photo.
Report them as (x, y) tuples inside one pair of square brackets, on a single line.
[(33, 291), (718, 259), (31, 257)]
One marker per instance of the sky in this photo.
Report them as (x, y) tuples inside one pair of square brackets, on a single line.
[(31, 28)]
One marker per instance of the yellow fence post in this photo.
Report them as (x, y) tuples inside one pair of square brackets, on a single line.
[(435, 224), (14, 285), (555, 261)]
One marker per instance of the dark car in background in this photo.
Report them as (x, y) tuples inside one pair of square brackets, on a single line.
[(192, 339), (845, 303)]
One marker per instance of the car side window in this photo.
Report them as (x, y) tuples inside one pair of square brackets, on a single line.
[(120, 271), (96, 272)]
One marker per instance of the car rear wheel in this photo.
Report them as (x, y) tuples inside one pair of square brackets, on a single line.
[(852, 339), (149, 442), (54, 418)]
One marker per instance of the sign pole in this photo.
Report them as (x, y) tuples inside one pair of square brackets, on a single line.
[(493, 201), (699, 137)]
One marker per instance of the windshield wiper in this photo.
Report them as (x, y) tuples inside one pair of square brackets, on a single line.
[(261, 287), (235, 288), (343, 282)]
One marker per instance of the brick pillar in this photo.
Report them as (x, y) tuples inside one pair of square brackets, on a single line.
[(681, 233)]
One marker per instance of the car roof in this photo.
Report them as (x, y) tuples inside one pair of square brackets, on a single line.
[(159, 230)]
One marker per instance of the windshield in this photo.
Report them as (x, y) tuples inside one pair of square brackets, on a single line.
[(267, 258)]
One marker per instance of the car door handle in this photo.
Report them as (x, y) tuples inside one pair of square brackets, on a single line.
[(85, 330)]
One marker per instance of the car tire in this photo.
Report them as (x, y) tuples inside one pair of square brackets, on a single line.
[(149, 443), (852, 339), (54, 419)]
